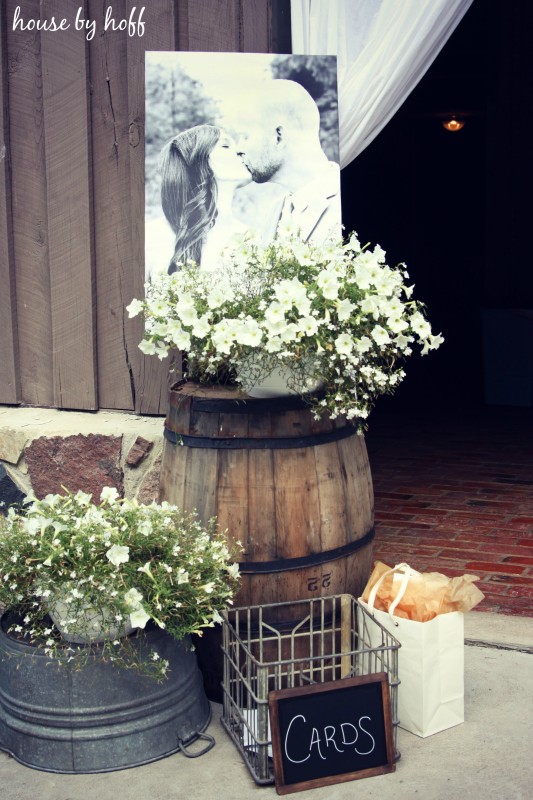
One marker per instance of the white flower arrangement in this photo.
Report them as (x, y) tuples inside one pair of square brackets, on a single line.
[(130, 564), (332, 314)]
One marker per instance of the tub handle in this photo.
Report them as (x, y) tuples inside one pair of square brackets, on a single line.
[(210, 744)]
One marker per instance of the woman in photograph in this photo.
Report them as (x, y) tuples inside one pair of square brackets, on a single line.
[(200, 171)]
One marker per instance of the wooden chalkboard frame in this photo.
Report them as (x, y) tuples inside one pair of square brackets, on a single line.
[(372, 687)]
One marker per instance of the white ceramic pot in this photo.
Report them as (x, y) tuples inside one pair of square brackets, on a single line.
[(91, 624), (276, 384)]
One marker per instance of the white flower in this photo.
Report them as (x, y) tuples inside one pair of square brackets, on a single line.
[(201, 326), (158, 308), (183, 576), (145, 527), (289, 333), (363, 345), (233, 570), (133, 598), (219, 295), (403, 341), (249, 333), (208, 587), (139, 618), (146, 569), (431, 343), (109, 494), (147, 347), (420, 325), (329, 284), (32, 525), (275, 313), (344, 309), (344, 344), (118, 554), (370, 305), (380, 335), (223, 335), (180, 338), (292, 292), (273, 345), (397, 324), (308, 326)]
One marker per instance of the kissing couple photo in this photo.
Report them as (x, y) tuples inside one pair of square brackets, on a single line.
[(237, 143)]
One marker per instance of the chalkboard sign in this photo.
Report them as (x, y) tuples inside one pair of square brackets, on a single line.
[(331, 732)]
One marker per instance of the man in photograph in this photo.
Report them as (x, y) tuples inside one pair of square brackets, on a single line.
[(279, 142)]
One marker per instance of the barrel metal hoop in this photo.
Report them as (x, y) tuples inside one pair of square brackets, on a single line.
[(261, 443), (249, 405), (311, 560)]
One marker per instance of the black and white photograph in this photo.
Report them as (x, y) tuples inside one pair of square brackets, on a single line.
[(236, 143)]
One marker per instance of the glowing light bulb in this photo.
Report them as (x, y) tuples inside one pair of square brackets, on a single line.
[(453, 124)]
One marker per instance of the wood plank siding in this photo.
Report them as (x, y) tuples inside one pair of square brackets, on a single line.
[(72, 191)]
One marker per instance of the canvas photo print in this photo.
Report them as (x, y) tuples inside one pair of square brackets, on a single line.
[(237, 143)]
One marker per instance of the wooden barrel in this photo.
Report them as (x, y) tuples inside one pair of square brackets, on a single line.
[(295, 491)]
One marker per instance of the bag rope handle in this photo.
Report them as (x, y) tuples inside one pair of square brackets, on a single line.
[(407, 573)]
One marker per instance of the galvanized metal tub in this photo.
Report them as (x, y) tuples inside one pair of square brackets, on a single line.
[(96, 718)]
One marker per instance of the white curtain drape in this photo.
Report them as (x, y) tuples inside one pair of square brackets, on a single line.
[(383, 49)]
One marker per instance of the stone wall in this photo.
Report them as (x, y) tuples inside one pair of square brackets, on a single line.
[(43, 450)]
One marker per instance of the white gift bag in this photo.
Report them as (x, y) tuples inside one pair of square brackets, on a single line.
[(430, 663)]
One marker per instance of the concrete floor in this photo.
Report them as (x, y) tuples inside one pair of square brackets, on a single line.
[(488, 756)]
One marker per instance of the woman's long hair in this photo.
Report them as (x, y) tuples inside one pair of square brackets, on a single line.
[(189, 190)]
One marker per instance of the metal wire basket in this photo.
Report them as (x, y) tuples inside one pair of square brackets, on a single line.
[(283, 645)]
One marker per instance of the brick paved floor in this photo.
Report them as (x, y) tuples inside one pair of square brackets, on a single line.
[(455, 495)]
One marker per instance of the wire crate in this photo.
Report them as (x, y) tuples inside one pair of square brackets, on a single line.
[(284, 645)]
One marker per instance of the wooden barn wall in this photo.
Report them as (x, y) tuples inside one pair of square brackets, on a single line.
[(72, 193)]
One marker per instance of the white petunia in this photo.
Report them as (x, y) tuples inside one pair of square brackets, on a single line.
[(275, 313), (344, 344), (218, 295), (134, 308), (344, 309), (139, 618), (380, 335), (273, 345), (148, 348), (432, 343), (397, 324), (158, 308), (420, 325), (201, 326), (292, 292), (308, 325), (180, 338), (289, 333), (233, 570), (329, 284), (118, 554), (224, 333), (249, 333), (133, 598), (109, 493)]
